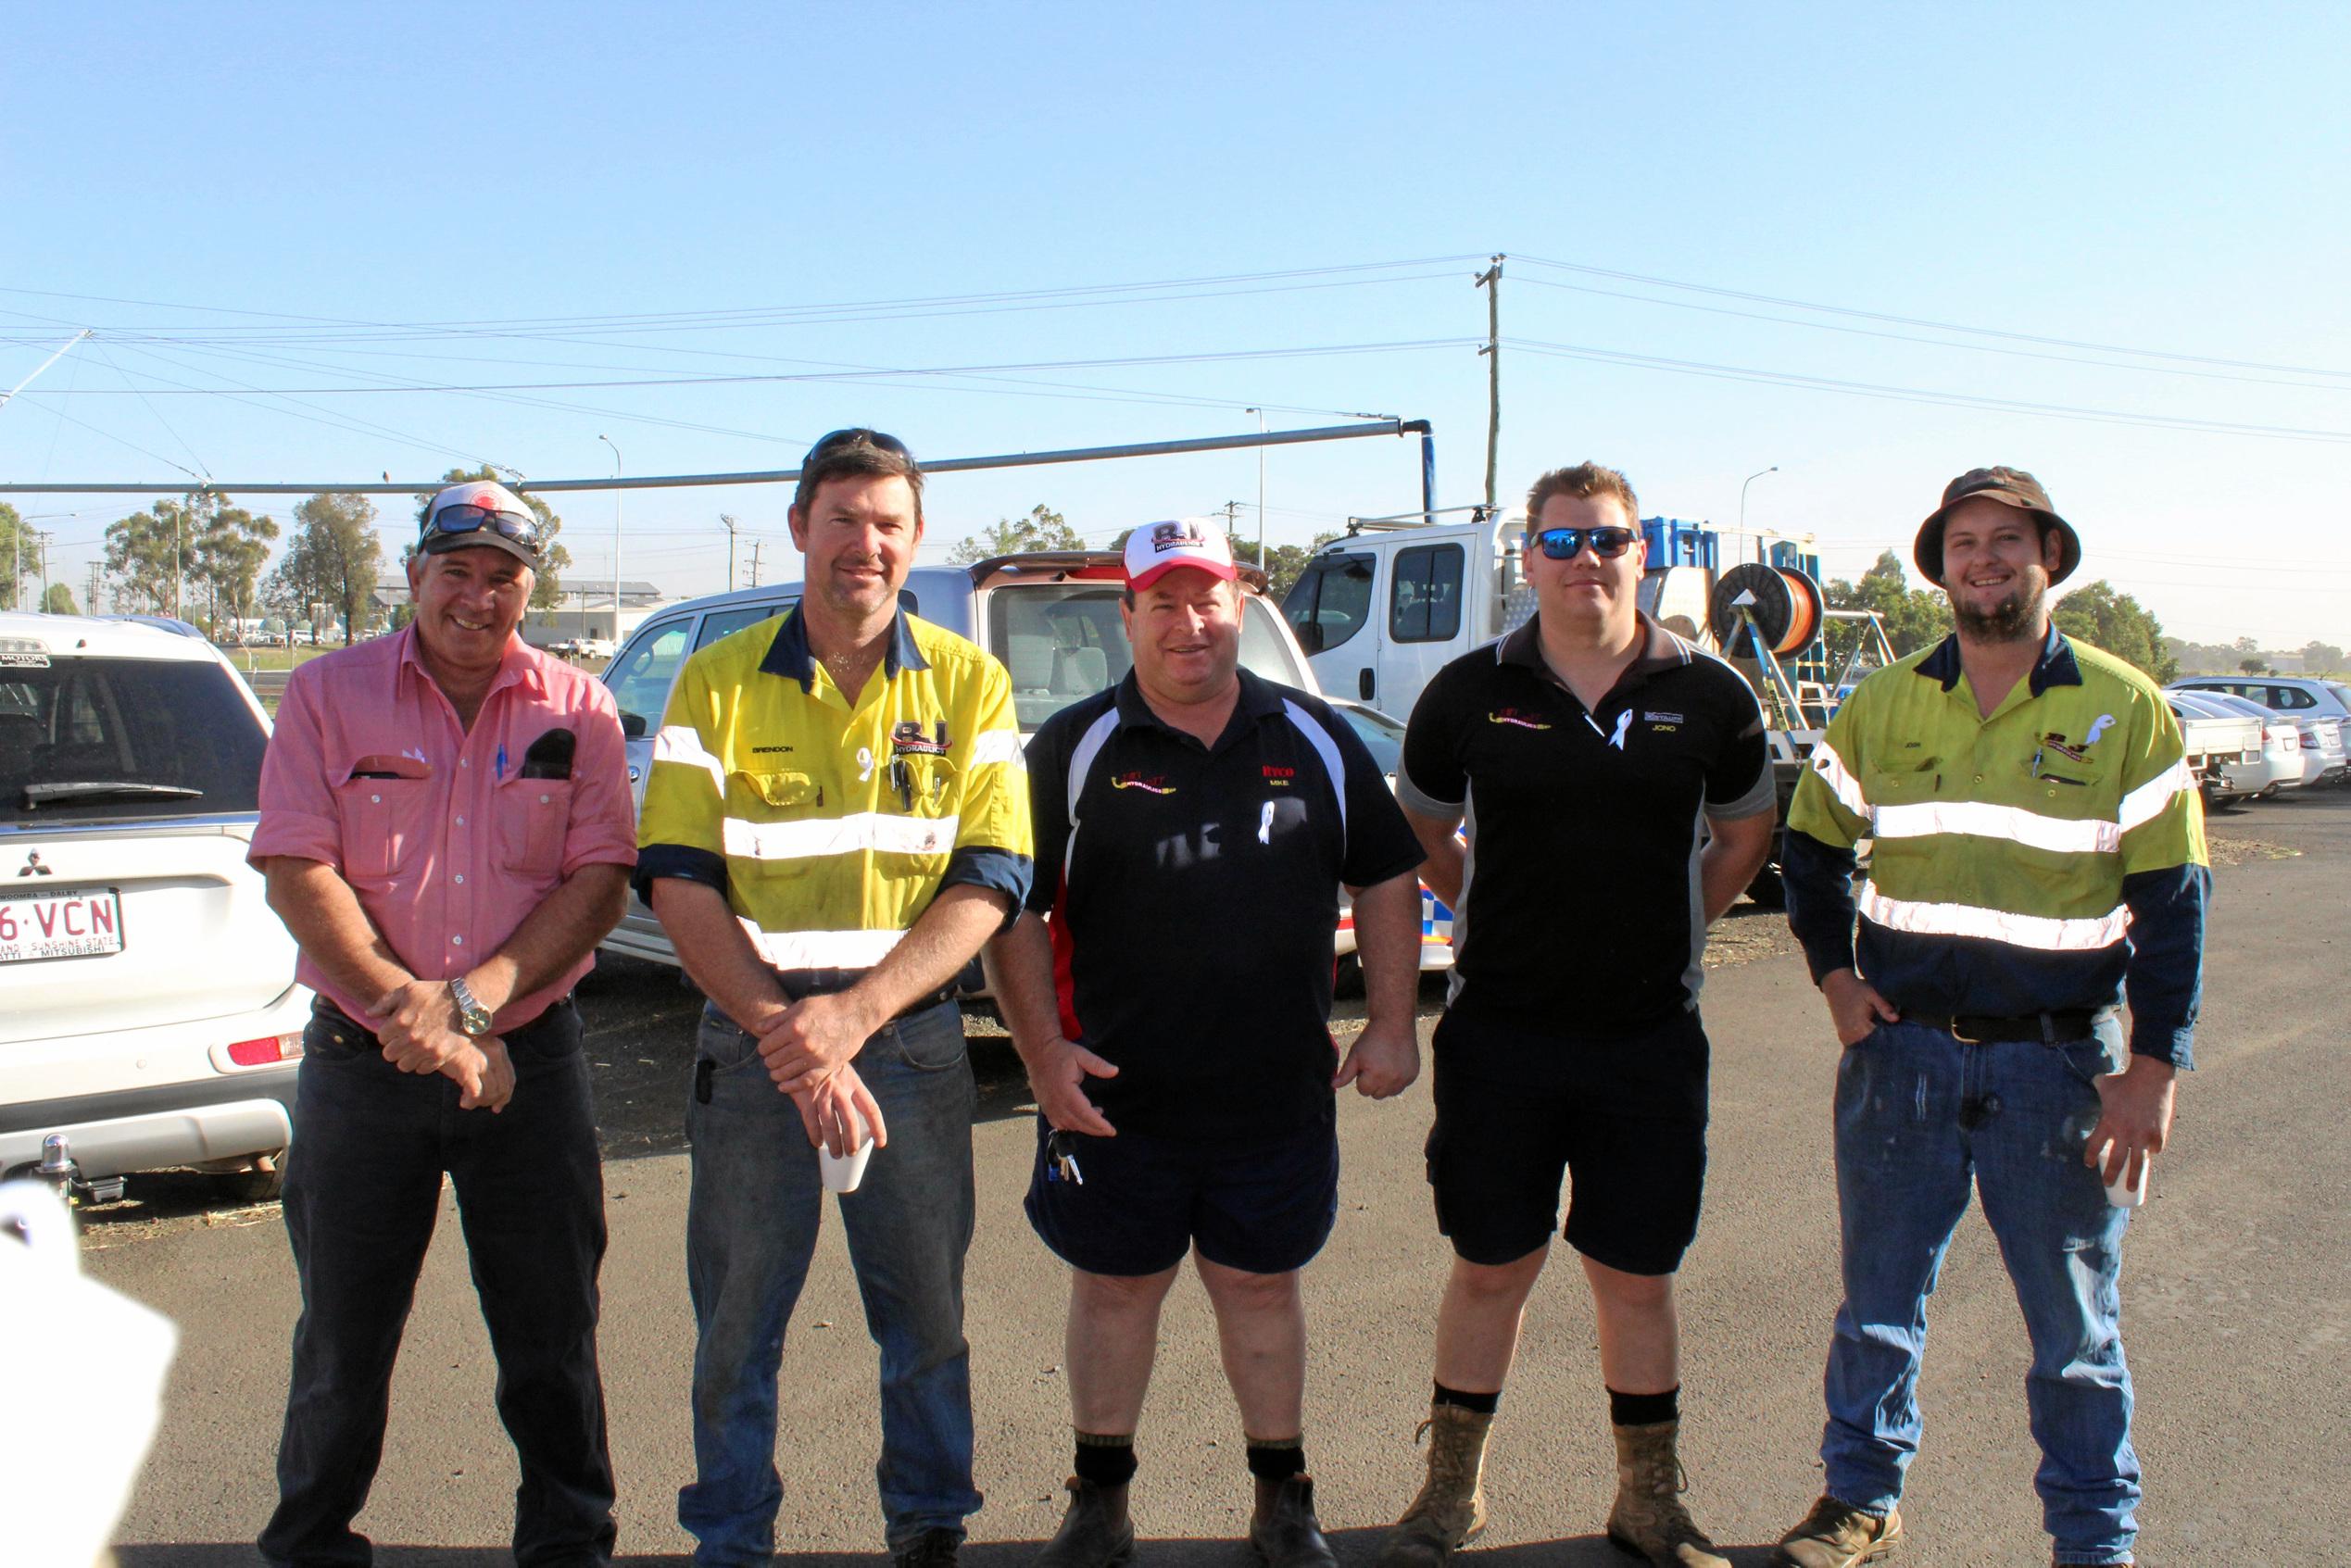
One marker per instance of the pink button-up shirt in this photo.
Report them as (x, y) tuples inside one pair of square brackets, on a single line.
[(447, 844)]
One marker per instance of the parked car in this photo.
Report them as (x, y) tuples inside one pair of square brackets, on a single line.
[(2281, 757), (2320, 709), (1052, 618), (2221, 746), (148, 1013)]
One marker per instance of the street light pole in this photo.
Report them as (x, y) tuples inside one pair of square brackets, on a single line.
[(1742, 495), (1260, 491), (616, 543)]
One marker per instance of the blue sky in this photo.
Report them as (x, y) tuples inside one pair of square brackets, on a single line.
[(2163, 181)]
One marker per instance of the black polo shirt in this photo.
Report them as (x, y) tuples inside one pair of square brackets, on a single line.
[(1193, 893), (1581, 913)]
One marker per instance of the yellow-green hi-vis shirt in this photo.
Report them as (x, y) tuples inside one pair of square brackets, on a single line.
[(831, 824), (2029, 862)]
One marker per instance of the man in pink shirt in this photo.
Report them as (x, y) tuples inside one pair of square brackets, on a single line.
[(446, 830)]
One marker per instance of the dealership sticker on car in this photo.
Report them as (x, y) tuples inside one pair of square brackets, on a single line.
[(76, 922)]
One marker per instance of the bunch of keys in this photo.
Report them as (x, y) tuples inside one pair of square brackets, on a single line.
[(1060, 1163)]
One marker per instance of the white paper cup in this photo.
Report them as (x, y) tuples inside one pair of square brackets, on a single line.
[(843, 1171), (2123, 1195)]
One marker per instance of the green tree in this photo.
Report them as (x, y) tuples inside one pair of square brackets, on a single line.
[(2253, 666), (230, 555), (2320, 659), (333, 558), (1914, 617), (554, 559), (59, 600), (152, 554), (1284, 562), (1042, 529), (2119, 623), (18, 549)]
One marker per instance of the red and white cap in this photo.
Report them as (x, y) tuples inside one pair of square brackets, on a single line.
[(1156, 548)]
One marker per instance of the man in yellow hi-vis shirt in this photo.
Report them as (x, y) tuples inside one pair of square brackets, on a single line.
[(2037, 854), (836, 819)]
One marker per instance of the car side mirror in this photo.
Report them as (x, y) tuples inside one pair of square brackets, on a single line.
[(633, 725)]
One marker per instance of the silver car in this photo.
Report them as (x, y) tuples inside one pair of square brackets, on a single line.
[(2320, 709)]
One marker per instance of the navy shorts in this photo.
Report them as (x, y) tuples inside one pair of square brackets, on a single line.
[(1264, 1205), (1626, 1124)]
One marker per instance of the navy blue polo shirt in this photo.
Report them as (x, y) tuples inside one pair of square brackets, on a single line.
[(1580, 911), (1192, 895)]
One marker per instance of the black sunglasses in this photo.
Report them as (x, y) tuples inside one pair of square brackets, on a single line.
[(833, 441), (464, 517), (1566, 543)]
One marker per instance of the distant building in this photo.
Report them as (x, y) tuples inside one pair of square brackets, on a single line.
[(587, 612)]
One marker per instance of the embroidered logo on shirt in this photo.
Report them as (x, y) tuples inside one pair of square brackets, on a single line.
[(1155, 784), (1664, 718), (2098, 726), (2056, 742), (1514, 716), (1278, 776), (908, 740)]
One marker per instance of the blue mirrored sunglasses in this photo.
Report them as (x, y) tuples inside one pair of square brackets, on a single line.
[(830, 439), (464, 517), (1566, 544)]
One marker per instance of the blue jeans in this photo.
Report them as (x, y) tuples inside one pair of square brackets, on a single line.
[(751, 1225), (1918, 1114), (362, 1191)]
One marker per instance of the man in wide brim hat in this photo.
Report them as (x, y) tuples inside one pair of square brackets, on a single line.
[(2010, 487)]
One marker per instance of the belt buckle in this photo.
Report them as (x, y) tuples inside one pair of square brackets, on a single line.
[(1962, 1036)]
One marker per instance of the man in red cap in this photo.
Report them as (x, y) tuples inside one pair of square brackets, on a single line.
[(446, 831), (1169, 989)]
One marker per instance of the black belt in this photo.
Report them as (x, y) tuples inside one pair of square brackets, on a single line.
[(555, 1015), (799, 983), (1979, 1029)]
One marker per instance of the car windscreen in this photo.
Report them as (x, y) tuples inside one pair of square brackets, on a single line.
[(1063, 640), (103, 740)]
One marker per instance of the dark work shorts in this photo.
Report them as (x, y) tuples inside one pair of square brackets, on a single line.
[(1626, 1124), (1264, 1205)]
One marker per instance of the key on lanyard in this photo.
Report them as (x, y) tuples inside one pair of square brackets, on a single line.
[(1063, 1164)]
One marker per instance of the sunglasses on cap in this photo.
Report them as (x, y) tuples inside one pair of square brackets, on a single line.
[(464, 517), (1566, 543), (833, 441)]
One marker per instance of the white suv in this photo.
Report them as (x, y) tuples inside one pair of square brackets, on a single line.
[(148, 1013)]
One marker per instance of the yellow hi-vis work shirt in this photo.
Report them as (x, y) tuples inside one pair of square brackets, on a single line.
[(830, 825), (2022, 863)]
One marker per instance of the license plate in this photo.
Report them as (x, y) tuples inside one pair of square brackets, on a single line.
[(74, 922)]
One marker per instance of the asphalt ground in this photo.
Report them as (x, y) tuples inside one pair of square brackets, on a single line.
[(2237, 1311)]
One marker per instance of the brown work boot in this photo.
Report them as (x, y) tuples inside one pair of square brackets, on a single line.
[(1837, 1535), (1648, 1519), (1284, 1530), (1095, 1532), (1450, 1510)]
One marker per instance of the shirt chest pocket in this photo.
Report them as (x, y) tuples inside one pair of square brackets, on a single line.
[(533, 817), (1906, 782), (382, 820), (770, 818), (925, 785)]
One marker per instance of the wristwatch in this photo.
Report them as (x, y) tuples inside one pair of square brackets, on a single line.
[(472, 1017)]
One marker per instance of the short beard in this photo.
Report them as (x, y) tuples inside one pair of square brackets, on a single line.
[(2014, 619)]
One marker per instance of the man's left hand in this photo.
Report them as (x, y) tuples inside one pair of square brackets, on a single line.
[(2134, 1120), (1383, 1062), (417, 1023), (814, 1038)]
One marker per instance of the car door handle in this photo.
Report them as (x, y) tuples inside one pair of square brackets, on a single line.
[(1363, 683)]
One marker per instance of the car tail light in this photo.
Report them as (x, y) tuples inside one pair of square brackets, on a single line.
[(266, 1051)]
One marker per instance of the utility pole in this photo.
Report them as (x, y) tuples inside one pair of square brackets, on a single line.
[(1232, 520), (90, 605), (44, 536), (728, 520), (1260, 491), (616, 543), (1491, 280), (755, 561)]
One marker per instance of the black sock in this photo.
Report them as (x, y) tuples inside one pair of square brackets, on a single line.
[(1106, 1459), (1644, 1410), (1483, 1404), (1277, 1461)]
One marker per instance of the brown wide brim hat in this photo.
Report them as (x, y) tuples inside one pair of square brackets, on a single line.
[(2010, 487)]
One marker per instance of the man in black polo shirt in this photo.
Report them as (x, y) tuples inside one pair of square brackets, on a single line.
[(1617, 796), (1194, 825)]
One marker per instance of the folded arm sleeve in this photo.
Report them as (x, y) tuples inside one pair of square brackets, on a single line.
[(682, 830), (298, 815), (993, 833), (1048, 808), (1432, 780)]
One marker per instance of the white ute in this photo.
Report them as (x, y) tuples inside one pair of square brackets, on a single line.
[(148, 1013)]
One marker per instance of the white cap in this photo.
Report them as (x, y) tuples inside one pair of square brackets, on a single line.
[(1156, 548)]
